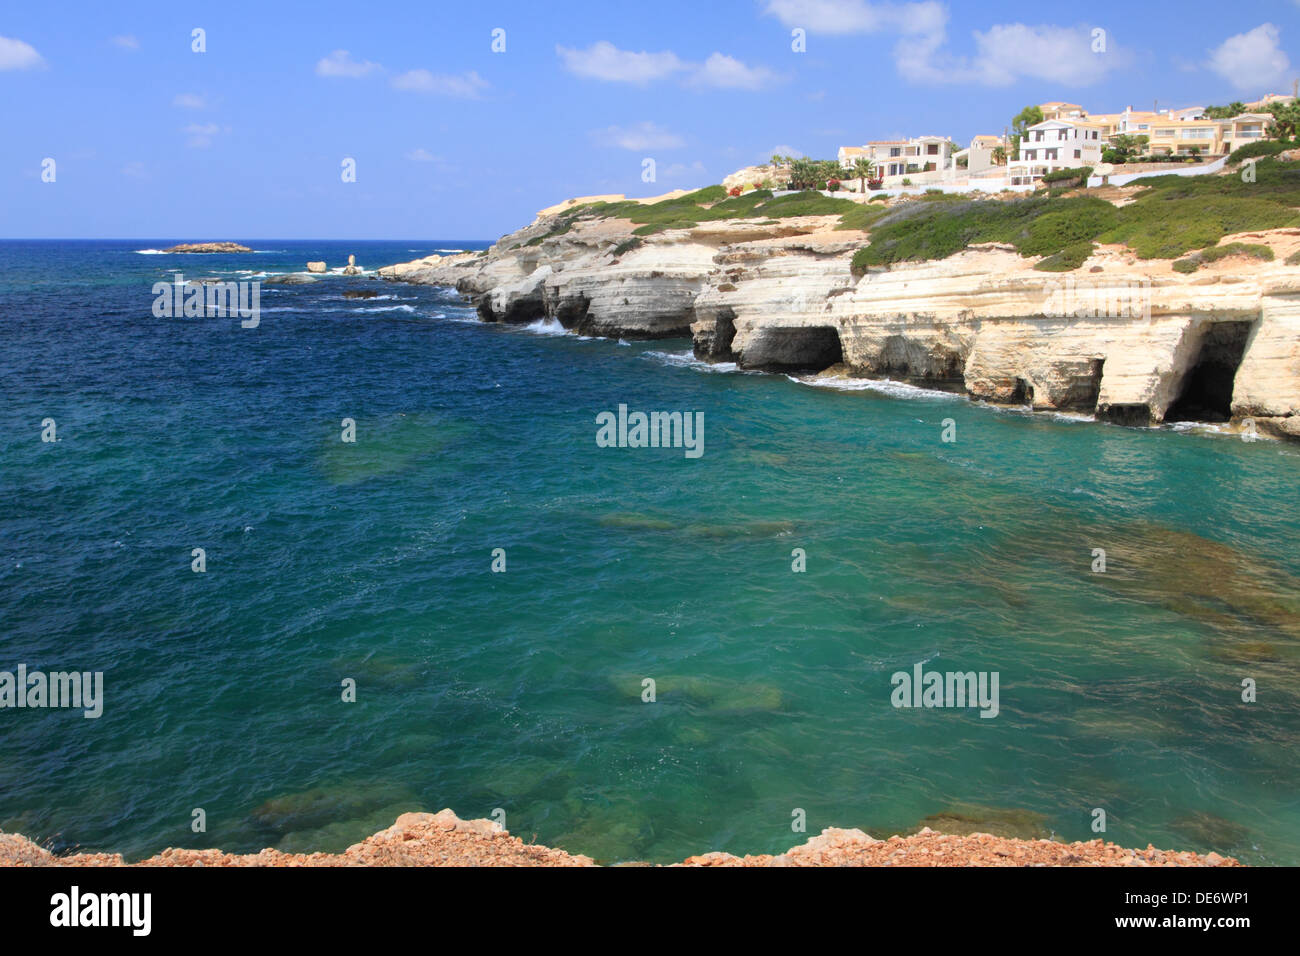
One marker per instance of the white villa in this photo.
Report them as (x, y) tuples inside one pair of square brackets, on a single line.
[(1053, 145)]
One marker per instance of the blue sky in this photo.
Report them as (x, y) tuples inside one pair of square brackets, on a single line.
[(453, 140)]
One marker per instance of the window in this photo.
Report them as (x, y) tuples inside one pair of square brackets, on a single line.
[(932, 149), (895, 151), (1051, 154), (1077, 154)]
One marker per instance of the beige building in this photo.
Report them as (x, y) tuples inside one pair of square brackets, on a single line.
[(895, 158)]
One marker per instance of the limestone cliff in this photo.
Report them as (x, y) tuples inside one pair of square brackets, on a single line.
[(1132, 341)]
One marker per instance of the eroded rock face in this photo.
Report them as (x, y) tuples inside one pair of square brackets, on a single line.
[(1124, 339)]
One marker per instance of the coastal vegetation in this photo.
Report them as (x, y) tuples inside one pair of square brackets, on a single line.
[(713, 204), (1170, 217), (1253, 250)]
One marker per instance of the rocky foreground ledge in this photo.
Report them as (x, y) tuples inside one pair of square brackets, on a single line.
[(443, 839)]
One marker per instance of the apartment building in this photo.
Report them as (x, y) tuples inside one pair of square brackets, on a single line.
[(1055, 144)]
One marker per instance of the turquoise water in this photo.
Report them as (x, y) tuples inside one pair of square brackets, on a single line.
[(522, 690)]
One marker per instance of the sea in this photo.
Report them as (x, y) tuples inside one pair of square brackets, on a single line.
[(368, 557)]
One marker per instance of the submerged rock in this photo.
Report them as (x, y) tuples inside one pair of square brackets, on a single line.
[(1210, 830), (327, 805), (966, 819)]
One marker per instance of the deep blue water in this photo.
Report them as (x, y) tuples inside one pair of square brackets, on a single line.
[(522, 690)]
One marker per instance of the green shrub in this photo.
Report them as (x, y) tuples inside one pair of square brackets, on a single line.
[(1036, 226), (1078, 175), (1157, 228), (706, 195), (1253, 250), (807, 203), (625, 247), (1071, 221), (1260, 148), (1294, 258), (1068, 259), (861, 217)]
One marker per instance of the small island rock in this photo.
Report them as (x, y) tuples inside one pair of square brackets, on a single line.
[(209, 247)]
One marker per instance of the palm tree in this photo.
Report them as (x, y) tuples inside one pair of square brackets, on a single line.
[(865, 170)]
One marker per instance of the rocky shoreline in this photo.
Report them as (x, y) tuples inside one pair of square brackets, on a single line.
[(443, 839), (1124, 339)]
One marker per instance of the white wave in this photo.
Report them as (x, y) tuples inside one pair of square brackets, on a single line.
[(152, 252), (1213, 428), (389, 308), (546, 327), (687, 359), (624, 343), (884, 386)]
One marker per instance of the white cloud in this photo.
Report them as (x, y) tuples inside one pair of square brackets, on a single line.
[(640, 137), (604, 61), (465, 85), (1060, 55), (189, 101), (200, 134), (340, 63), (421, 155), (782, 150), (126, 41), (1252, 61), (17, 55), (729, 73), (860, 16)]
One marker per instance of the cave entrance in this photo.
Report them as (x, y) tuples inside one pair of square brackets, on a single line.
[(799, 349), (1206, 391), (1023, 394)]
